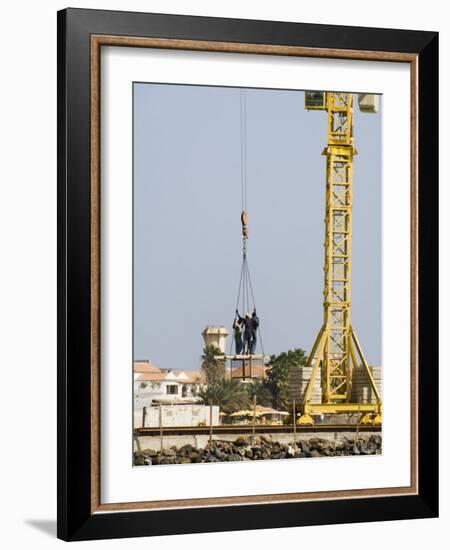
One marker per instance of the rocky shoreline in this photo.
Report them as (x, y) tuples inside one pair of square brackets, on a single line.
[(261, 448)]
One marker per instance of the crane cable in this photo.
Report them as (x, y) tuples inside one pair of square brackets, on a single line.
[(245, 284), (243, 121)]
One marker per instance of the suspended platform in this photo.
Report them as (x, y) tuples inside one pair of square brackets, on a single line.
[(247, 367), (244, 357)]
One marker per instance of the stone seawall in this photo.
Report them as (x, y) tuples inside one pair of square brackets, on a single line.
[(262, 447)]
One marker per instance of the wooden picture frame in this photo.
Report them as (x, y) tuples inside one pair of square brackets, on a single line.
[(81, 35)]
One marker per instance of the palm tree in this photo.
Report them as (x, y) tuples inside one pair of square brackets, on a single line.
[(230, 394), (213, 367), (260, 393)]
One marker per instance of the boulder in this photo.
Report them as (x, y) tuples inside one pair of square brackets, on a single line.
[(226, 446), (376, 439), (313, 453), (235, 458), (150, 452), (256, 451), (186, 450), (355, 449), (167, 460), (218, 453), (324, 445), (169, 452), (290, 451), (183, 460), (304, 446), (265, 453), (211, 458), (368, 448)]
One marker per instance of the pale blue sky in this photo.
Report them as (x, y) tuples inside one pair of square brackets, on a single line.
[(187, 232)]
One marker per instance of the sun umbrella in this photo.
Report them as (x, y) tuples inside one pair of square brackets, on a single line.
[(245, 413), (268, 410)]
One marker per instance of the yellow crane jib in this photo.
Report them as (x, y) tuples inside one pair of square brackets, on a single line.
[(336, 350)]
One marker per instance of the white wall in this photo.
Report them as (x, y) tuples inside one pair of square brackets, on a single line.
[(28, 272), (144, 396), (181, 415)]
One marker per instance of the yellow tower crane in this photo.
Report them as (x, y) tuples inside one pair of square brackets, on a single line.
[(336, 350)]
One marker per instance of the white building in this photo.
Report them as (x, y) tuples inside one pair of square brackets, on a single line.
[(152, 384)]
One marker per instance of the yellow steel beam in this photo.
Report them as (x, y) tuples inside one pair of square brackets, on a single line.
[(336, 408), (318, 346), (366, 366)]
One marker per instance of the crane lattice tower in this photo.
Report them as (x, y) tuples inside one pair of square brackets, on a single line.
[(336, 351)]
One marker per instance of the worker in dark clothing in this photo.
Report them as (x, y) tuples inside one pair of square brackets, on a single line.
[(246, 322), (255, 325), (237, 329), (250, 324)]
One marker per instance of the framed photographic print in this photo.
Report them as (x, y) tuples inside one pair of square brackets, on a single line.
[(247, 255)]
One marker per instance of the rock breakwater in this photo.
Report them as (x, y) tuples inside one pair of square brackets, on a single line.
[(260, 448)]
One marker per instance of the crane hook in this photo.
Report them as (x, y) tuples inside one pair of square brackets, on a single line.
[(244, 221)]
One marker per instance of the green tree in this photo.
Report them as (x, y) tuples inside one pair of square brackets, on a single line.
[(230, 394), (261, 392), (212, 366), (278, 372)]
